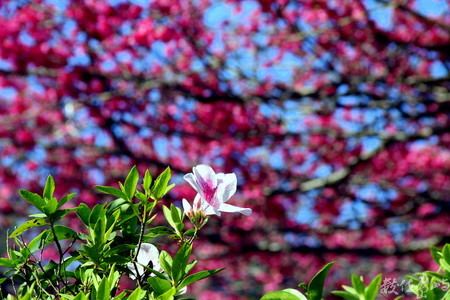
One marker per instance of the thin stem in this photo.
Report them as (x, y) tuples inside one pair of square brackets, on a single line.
[(61, 256)]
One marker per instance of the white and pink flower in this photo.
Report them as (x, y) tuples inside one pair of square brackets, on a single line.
[(213, 191)]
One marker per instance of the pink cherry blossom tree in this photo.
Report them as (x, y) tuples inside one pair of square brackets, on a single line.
[(334, 116)]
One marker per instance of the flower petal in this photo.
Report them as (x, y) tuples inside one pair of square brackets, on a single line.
[(230, 185), (210, 210), (217, 198), (197, 202), (149, 253), (224, 207), (205, 176), (191, 179), (186, 206), (132, 268)]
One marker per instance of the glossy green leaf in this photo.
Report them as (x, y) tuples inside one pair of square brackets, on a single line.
[(111, 191), (345, 295), (168, 215), (372, 289), (160, 185), (83, 213), (147, 180), (358, 284), (159, 231), (50, 207), (32, 198), (49, 188), (190, 266), (444, 264), (59, 214), (177, 217), (65, 199), (6, 262), (169, 295), (131, 182), (98, 212), (279, 295), (159, 285), (137, 294), (198, 276), (296, 293), (446, 253), (100, 230), (436, 253), (46, 237), (315, 286), (169, 188), (166, 262), (103, 290), (27, 225), (180, 261)]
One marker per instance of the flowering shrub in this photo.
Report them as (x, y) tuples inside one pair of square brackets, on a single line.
[(120, 242)]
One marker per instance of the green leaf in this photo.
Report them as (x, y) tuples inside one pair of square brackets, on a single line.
[(168, 215), (111, 191), (296, 293), (147, 180), (103, 291), (169, 188), (160, 186), (62, 233), (119, 248), (345, 295), (197, 276), (32, 198), (444, 264), (65, 199), (2, 280), (315, 286), (279, 295), (350, 289), (116, 204), (98, 212), (436, 254), (100, 230), (50, 207), (177, 217), (81, 296), (166, 262), (6, 262), (46, 237), (159, 231), (358, 284), (437, 275), (190, 266), (49, 188), (372, 289), (446, 253), (38, 216), (141, 196), (131, 182), (169, 295), (83, 213), (180, 261), (158, 274), (137, 294), (190, 232), (159, 286), (61, 213), (27, 225)]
